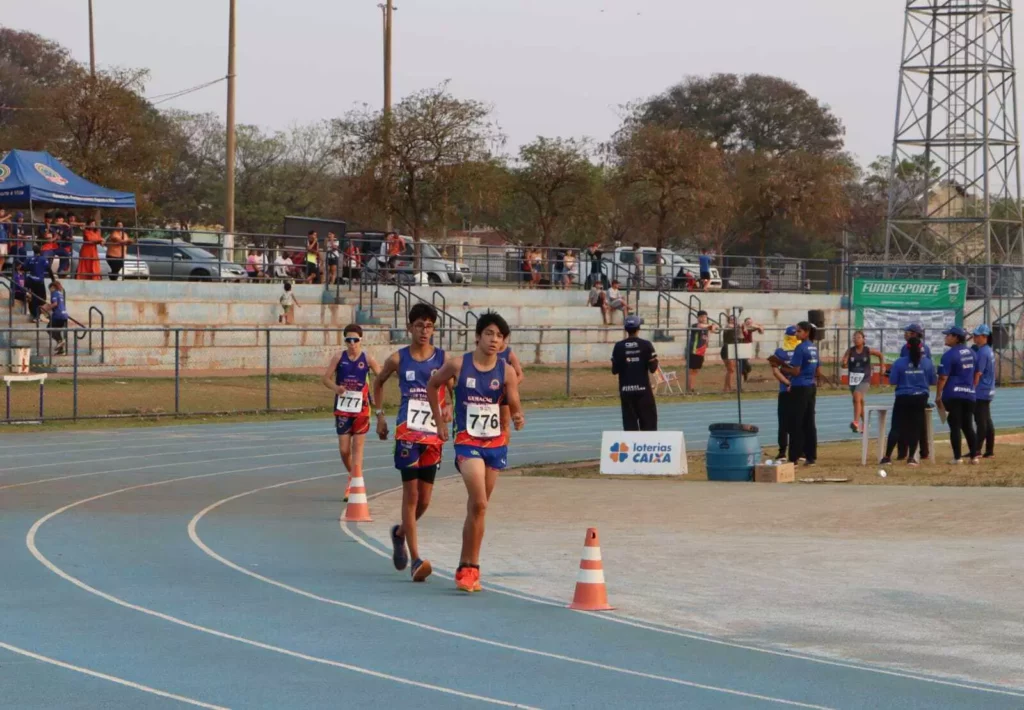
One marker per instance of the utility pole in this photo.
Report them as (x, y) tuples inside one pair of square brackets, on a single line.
[(229, 199), (388, 10), (92, 45)]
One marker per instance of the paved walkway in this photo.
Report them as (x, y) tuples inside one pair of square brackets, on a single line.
[(204, 565)]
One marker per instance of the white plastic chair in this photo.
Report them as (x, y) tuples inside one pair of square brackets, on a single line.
[(666, 380)]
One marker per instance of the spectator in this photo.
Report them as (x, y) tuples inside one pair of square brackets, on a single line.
[(47, 246), (748, 330), (705, 268), (17, 236), (254, 265), (536, 258), (333, 254), (282, 265), (615, 300), (5, 226), (596, 255), (18, 292), (730, 337), (558, 268), (697, 346), (65, 238), (638, 266), (288, 305), (117, 243), (312, 257), (353, 261), (599, 299), (89, 254), (568, 268), (58, 310)]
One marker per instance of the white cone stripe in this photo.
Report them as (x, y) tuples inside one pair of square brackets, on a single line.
[(358, 482), (590, 576), (592, 554), (357, 498)]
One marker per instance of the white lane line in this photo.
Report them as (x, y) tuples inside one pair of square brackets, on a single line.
[(641, 624), (194, 536), (111, 678), (30, 543)]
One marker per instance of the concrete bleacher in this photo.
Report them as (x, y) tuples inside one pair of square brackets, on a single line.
[(225, 326)]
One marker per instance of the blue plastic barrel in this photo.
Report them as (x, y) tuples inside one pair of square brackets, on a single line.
[(733, 451)]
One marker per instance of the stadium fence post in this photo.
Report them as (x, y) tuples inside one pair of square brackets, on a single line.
[(268, 369), (177, 370), (74, 379), (568, 362)]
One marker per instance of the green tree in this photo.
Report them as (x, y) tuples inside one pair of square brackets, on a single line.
[(751, 112)]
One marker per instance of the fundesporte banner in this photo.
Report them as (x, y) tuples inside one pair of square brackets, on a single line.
[(884, 307)]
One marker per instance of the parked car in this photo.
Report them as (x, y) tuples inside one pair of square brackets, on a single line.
[(438, 270), (169, 260), (134, 268)]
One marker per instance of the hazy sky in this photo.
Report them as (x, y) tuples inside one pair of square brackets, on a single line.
[(549, 67)]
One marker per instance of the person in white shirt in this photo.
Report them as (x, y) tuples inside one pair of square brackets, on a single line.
[(615, 300), (282, 266)]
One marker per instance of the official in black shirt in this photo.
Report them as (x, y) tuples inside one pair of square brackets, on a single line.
[(633, 360)]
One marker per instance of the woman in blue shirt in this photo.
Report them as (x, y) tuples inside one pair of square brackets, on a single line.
[(912, 375), (803, 391), (58, 310), (984, 388), (956, 393)]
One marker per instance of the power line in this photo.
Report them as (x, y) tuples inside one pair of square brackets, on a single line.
[(164, 98)]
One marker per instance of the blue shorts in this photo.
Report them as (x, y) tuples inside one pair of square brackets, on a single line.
[(410, 454), (496, 458)]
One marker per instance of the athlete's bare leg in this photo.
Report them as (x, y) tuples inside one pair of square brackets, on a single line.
[(480, 482), (415, 501), (355, 465), (345, 448)]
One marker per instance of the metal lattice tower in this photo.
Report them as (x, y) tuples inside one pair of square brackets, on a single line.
[(954, 191)]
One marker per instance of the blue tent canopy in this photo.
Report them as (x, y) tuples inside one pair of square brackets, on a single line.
[(27, 177)]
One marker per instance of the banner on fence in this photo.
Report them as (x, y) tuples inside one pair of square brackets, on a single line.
[(643, 453), (883, 308)]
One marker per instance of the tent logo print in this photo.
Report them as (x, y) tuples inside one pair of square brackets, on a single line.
[(50, 174), (619, 452), (5, 172)]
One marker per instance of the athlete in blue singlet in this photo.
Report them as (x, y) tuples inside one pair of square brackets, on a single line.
[(513, 361), (346, 376), (483, 383), (417, 446)]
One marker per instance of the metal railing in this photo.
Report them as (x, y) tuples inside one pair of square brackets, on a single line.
[(153, 372)]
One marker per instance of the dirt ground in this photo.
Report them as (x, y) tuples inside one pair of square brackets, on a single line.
[(918, 577), (211, 391)]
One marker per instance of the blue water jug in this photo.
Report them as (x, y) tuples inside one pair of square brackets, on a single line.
[(733, 451)]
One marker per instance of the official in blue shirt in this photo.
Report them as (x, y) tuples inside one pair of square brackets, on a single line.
[(984, 388), (915, 330), (784, 355), (802, 371), (58, 310), (913, 376), (956, 393), (37, 268)]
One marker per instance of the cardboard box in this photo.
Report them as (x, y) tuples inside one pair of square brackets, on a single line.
[(783, 473)]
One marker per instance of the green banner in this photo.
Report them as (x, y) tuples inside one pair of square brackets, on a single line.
[(920, 295)]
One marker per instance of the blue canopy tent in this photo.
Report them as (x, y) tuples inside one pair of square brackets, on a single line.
[(27, 177)]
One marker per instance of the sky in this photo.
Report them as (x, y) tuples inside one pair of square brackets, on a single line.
[(548, 67)]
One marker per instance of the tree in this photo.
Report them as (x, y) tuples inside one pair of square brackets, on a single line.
[(676, 177), (29, 65), (793, 197), (752, 112), (555, 176), (432, 136)]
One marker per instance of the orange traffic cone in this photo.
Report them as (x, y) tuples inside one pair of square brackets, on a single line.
[(357, 510), (591, 594)]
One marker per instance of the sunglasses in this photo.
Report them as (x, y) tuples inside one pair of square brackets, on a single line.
[(353, 340)]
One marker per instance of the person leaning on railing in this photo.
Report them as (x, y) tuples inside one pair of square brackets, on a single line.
[(57, 309), (37, 268), (89, 254), (117, 243)]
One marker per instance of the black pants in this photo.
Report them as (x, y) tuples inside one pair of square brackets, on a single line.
[(961, 419), (803, 431), (116, 264), (894, 439), (986, 429), (908, 423), (639, 412), (36, 296), (783, 414)]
